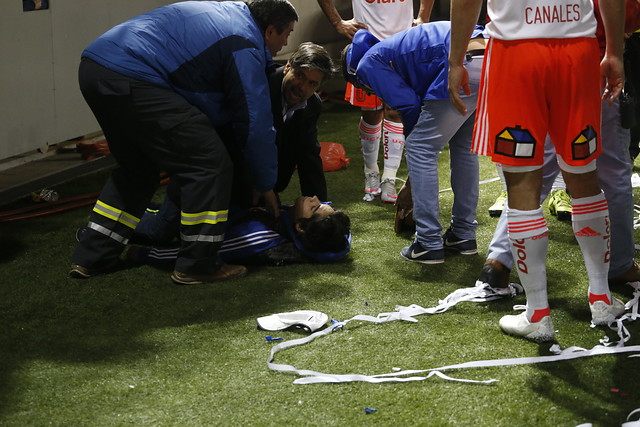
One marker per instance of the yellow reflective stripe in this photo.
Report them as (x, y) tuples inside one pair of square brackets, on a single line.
[(116, 215), (206, 217)]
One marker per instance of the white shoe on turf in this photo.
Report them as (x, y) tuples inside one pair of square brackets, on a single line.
[(520, 326), (603, 313), (371, 186), (388, 189)]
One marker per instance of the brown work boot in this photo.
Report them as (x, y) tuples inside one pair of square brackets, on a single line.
[(227, 271), (631, 275), (80, 272), (495, 274)]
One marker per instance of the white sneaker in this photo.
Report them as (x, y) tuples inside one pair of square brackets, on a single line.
[(520, 326), (603, 313), (371, 186), (388, 188)]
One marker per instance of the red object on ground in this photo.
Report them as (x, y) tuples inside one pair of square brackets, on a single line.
[(334, 156)]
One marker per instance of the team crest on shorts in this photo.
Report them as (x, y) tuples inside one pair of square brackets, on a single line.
[(515, 142), (585, 143), (360, 95)]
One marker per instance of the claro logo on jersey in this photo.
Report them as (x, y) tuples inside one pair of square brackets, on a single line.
[(384, 1), (552, 14)]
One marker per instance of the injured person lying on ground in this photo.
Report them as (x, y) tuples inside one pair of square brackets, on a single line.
[(307, 231)]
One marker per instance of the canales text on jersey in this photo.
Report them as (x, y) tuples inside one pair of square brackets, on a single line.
[(552, 14)]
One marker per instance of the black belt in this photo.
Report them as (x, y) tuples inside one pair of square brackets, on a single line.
[(475, 52)]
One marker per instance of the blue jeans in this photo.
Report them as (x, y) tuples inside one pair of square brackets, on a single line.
[(614, 171), (440, 123)]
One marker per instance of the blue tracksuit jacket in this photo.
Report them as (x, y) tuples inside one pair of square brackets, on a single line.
[(408, 68), (213, 54)]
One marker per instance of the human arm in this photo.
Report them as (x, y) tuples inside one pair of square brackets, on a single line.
[(611, 66), (271, 202), (464, 15), (247, 92), (424, 13), (346, 28)]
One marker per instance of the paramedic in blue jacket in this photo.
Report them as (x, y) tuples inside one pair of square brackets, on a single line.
[(408, 71), (158, 84)]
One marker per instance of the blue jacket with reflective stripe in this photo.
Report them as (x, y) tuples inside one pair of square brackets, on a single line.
[(409, 67), (213, 54)]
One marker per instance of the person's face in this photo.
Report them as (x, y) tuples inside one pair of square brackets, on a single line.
[(300, 83), (276, 41), (306, 207)]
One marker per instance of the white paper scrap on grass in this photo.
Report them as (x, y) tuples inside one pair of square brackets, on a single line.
[(479, 293), (486, 181)]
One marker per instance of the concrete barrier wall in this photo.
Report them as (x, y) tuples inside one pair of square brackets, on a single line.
[(41, 104)]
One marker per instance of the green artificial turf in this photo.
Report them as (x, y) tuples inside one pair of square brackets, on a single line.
[(131, 348)]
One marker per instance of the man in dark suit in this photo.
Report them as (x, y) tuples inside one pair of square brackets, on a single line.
[(296, 108)]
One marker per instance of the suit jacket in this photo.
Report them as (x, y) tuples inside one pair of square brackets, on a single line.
[(297, 141)]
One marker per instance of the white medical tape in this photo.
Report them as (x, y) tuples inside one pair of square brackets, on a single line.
[(486, 181), (567, 354), (479, 293)]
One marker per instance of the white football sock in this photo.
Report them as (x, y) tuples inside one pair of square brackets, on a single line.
[(370, 143), (529, 237), (393, 140), (591, 226)]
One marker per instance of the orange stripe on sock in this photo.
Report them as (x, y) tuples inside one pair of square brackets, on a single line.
[(593, 298), (539, 314)]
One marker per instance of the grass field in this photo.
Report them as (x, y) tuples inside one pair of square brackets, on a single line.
[(131, 348)]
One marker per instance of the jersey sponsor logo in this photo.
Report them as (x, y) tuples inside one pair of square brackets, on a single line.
[(552, 14), (515, 142), (585, 144)]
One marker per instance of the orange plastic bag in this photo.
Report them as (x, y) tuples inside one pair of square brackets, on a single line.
[(334, 156)]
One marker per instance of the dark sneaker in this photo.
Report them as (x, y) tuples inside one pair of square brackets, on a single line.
[(465, 247), (227, 271), (496, 209), (494, 274), (560, 205), (417, 253)]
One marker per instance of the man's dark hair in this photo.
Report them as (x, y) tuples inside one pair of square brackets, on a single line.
[(279, 13), (315, 57), (325, 233)]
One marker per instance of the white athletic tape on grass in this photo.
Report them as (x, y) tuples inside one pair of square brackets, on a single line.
[(486, 181), (479, 293)]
